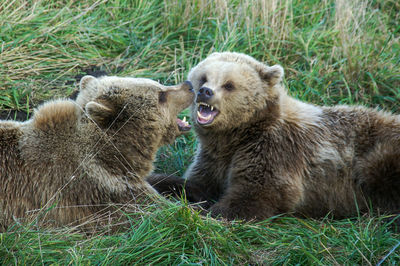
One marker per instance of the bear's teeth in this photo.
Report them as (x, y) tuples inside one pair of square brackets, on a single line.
[(207, 105), (184, 119)]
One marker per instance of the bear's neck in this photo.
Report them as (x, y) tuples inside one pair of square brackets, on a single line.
[(299, 113), (227, 141), (124, 154), (287, 110)]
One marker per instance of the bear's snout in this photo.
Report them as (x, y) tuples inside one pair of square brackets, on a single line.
[(204, 94), (188, 84)]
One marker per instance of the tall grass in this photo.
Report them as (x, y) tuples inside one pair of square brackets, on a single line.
[(328, 48), (333, 52)]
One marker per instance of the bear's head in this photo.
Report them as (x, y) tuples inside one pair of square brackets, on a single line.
[(137, 108), (233, 89)]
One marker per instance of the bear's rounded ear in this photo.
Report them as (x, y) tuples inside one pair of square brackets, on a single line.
[(88, 90), (273, 74), (87, 81), (99, 113)]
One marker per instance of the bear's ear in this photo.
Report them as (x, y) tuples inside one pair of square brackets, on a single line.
[(87, 82), (88, 90), (273, 74), (100, 113)]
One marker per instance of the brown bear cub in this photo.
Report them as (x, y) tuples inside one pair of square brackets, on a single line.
[(263, 153), (79, 162)]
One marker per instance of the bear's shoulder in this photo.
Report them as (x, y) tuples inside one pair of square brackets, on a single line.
[(55, 115)]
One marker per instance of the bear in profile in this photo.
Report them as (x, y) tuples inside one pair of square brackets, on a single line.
[(263, 153), (79, 162)]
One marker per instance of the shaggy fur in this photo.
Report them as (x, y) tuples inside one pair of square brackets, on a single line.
[(79, 162), (267, 153)]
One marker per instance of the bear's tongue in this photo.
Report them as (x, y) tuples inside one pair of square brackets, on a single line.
[(205, 115)]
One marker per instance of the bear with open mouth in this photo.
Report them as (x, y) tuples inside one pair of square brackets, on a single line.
[(262, 153), (83, 163)]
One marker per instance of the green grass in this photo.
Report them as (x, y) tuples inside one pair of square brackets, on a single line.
[(177, 235), (333, 52)]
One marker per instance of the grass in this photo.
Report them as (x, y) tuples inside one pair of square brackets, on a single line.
[(333, 52), (177, 235)]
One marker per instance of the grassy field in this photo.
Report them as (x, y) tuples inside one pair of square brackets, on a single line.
[(333, 52)]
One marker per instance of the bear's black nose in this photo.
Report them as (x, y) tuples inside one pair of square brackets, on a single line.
[(204, 94)]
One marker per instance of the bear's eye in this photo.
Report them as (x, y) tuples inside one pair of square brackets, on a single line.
[(203, 80), (162, 97), (228, 86)]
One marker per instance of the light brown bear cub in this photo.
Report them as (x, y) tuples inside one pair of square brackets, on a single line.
[(80, 161), (262, 152)]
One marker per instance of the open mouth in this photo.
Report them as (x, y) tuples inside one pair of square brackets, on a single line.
[(206, 113), (183, 125)]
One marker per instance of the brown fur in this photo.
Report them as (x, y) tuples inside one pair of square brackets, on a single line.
[(267, 153), (79, 162)]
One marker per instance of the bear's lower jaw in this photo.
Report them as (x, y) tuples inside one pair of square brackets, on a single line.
[(183, 125), (205, 120), (206, 114)]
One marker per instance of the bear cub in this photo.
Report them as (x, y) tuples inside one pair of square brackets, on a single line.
[(80, 162), (263, 153)]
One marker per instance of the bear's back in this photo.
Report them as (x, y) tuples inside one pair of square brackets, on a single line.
[(35, 159)]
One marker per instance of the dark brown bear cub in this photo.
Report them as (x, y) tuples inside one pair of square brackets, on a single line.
[(79, 162), (263, 153)]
